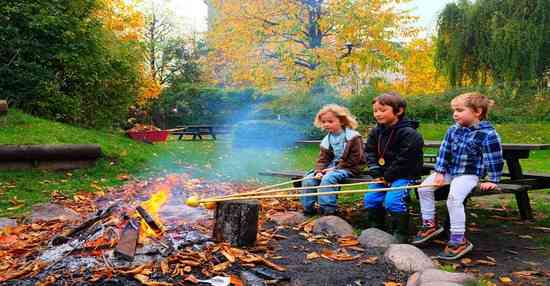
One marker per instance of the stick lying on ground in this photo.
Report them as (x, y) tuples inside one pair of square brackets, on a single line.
[(194, 201)]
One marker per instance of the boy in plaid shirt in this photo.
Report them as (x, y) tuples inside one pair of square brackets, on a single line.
[(470, 151)]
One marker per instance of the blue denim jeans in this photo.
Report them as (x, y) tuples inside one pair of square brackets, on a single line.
[(394, 201), (328, 202)]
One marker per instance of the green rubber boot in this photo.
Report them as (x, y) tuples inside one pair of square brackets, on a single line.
[(376, 217), (400, 226)]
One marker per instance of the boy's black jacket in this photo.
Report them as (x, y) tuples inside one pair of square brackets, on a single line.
[(403, 156)]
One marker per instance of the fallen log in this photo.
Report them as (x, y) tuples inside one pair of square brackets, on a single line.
[(236, 222), (12, 152)]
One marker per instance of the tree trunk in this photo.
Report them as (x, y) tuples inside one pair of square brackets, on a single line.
[(236, 222), (3, 107)]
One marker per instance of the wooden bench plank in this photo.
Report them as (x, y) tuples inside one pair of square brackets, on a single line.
[(519, 190)]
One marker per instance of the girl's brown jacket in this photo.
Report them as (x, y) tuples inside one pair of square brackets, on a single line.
[(353, 157)]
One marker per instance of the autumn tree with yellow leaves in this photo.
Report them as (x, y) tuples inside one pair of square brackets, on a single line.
[(298, 43), (419, 74)]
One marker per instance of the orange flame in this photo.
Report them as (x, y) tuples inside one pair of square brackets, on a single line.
[(152, 206)]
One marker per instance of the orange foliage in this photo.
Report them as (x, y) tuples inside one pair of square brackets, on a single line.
[(264, 43), (122, 18)]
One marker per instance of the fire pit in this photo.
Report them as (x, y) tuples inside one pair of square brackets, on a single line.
[(142, 232)]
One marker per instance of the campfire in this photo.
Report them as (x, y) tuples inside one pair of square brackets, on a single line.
[(142, 231)]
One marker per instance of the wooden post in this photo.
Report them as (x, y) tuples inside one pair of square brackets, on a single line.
[(3, 107), (236, 222)]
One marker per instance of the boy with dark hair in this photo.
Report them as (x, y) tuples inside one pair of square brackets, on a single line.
[(394, 154)]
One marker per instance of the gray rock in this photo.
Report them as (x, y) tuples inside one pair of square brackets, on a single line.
[(414, 280), (7, 222), (332, 225), (438, 276), (408, 258), (373, 237), (48, 212), (288, 218), (250, 279)]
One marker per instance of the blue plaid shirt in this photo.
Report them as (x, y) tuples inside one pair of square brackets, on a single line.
[(474, 150)]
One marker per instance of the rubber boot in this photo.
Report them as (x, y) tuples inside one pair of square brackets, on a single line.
[(376, 217), (400, 226)]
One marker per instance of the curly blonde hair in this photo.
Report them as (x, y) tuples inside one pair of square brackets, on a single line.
[(343, 114), (475, 101)]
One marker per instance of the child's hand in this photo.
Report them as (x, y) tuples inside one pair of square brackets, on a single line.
[(318, 175), (439, 179), (487, 186), (327, 170)]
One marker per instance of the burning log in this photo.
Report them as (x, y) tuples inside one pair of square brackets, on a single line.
[(77, 231), (149, 220), (237, 222), (126, 247)]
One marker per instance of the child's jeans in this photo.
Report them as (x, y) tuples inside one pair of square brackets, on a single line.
[(327, 203), (394, 202), (460, 187)]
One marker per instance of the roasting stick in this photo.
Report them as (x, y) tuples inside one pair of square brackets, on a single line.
[(211, 205), (265, 189), (194, 201), (298, 189)]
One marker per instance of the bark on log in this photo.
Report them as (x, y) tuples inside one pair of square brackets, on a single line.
[(3, 107), (236, 222), (49, 152)]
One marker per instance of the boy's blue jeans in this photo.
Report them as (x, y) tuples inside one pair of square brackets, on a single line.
[(327, 203), (394, 201)]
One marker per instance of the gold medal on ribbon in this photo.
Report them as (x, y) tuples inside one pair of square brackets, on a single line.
[(381, 162)]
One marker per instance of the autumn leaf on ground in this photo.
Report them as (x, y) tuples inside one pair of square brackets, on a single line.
[(505, 280), (369, 260), (312, 255), (392, 284)]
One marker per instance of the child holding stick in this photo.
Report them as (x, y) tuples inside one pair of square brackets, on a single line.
[(341, 156), (394, 154), (471, 149)]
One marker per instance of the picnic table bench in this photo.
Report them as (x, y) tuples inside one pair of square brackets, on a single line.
[(199, 130), (515, 181)]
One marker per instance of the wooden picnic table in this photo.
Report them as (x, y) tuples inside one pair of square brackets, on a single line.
[(199, 130), (512, 154)]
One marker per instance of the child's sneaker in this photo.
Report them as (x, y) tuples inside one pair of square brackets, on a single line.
[(428, 231), (456, 250)]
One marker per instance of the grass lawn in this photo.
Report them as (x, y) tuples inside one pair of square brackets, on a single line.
[(213, 160)]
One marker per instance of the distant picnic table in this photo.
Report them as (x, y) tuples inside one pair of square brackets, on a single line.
[(200, 130), (515, 180)]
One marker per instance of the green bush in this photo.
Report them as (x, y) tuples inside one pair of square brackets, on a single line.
[(511, 106), (188, 103), (59, 62), (299, 109)]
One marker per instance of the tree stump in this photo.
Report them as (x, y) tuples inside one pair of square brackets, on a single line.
[(3, 107), (236, 222)]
